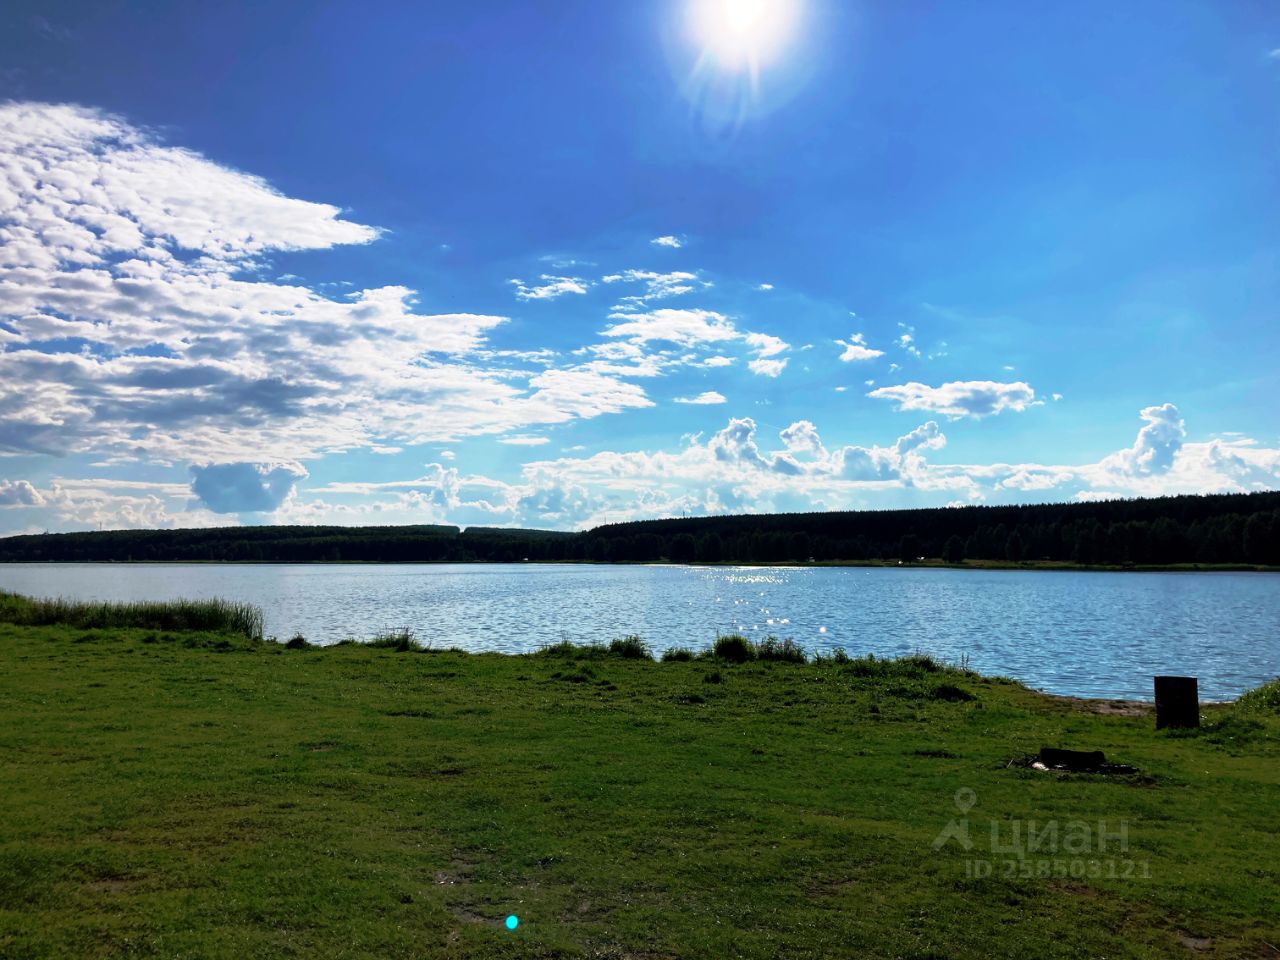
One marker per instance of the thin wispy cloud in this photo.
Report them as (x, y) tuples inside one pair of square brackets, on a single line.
[(549, 287), (704, 398)]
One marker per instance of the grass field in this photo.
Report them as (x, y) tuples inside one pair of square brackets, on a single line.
[(201, 794)]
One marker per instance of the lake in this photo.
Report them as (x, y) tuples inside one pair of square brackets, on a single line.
[(1074, 633)]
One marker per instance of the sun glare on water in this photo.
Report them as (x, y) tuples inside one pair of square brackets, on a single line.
[(742, 35)]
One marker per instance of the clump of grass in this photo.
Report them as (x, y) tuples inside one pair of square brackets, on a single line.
[(734, 648), (787, 651), (915, 666), (297, 642), (208, 616), (630, 648), (836, 656), (677, 654), (566, 648), (713, 677), (402, 641)]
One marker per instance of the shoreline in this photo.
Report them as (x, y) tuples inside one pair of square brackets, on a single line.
[(977, 565)]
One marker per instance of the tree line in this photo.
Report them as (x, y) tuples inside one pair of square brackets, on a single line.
[(1213, 529)]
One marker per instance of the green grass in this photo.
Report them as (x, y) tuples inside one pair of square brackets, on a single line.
[(199, 794), (1261, 700), (213, 616)]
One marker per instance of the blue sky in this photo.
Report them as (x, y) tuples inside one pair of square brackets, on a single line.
[(470, 263)]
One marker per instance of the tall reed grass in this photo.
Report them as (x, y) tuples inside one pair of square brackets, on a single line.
[(213, 616)]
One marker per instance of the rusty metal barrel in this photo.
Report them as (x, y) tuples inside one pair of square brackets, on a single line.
[(1177, 702)]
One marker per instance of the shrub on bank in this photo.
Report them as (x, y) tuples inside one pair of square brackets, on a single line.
[(1263, 699), (734, 648)]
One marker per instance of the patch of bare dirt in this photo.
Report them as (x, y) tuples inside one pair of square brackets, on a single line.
[(111, 884), (1192, 942), (1110, 708)]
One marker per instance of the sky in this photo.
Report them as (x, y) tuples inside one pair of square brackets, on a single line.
[(558, 264)]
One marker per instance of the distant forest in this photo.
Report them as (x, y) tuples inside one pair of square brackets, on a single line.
[(1217, 529)]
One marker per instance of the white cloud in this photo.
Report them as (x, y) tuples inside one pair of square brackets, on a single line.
[(855, 348), (658, 286), (707, 397), (765, 345), (684, 327), (764, 287), (550, 288), (667, 241), (802, 437), (767, 368), (19, 493), (1157, 444), (524, 440), (966, 398), (92, 504), (717, 361), (733, 470), (152, 255)]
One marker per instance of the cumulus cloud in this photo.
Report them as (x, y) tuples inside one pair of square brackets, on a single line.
[(19, 493), (767, 368), (105, 504), (802, 438), (1157, 444), (667, 241), (736, 470), (245, 487), (855, 348), (550, 287), (961, 398), (706, 397)]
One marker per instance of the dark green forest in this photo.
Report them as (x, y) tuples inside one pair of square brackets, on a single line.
[(1216, 529)]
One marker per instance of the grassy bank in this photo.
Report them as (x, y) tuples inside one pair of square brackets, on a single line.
[(216, 616), (199, 794)]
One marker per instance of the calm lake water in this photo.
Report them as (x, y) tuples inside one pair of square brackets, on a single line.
[(1084, 634)]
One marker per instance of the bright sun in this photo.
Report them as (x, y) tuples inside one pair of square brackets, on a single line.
[(742, 34)]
